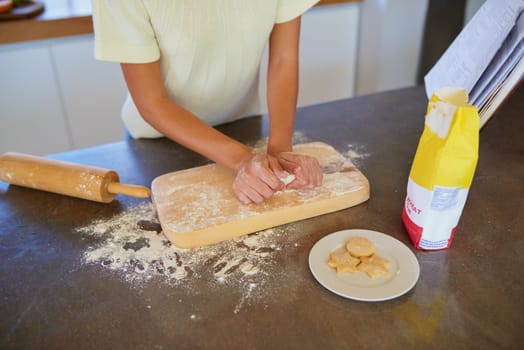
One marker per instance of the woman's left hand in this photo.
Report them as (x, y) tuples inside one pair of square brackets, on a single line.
[(306, 169)]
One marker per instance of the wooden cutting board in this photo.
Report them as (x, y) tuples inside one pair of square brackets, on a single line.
[(197, 206)]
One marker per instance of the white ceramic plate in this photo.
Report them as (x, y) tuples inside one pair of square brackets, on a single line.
[(403, 271)]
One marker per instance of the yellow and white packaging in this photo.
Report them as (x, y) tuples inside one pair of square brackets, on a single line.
[(442, 170)]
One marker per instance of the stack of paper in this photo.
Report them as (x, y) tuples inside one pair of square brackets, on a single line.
[(486, 58)]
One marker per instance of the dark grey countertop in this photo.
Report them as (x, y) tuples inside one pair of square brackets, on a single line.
[(55, 292)]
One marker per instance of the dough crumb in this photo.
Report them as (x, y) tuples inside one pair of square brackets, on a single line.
[(288, 179)]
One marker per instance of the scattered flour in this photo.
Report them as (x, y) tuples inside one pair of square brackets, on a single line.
[(132, 246), (356, 153)]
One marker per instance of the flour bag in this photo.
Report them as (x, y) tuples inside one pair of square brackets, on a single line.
[(442, 169)]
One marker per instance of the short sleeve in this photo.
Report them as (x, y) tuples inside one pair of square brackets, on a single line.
[(123, 32), (291, 9)]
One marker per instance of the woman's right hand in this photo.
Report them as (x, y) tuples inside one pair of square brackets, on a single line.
[(258, 178)]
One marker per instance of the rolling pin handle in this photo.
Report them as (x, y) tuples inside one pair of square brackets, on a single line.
[(129, 190)]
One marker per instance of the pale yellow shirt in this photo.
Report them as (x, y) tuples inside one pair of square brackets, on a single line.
[(209, 50)]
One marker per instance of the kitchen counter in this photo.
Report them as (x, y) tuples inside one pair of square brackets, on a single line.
[(63, 18), (61, 283)]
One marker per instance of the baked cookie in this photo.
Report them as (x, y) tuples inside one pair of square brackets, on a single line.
[(359, 255), (360, 246), (342, 261), (373, 265)]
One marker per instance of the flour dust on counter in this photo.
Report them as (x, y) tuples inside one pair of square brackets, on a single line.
[(356, 153), (132, 246)]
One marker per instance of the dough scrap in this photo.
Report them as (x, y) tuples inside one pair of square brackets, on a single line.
[(288, 179)]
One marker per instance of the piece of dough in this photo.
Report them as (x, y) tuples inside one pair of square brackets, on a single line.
[(360, 246), (288, 179)]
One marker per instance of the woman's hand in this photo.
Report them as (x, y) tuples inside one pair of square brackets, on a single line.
[(258, 177), (307, 170)]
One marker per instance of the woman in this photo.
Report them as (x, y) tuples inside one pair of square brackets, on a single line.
[(189, 65)]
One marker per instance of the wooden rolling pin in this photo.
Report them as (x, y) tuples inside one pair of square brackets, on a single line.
[(76, 180)]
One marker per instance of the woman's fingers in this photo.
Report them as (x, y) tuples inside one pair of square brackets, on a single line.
[(307, 170), (256, 181), (262, 175)]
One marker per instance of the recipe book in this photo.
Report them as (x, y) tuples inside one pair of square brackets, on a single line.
[(486, 58)]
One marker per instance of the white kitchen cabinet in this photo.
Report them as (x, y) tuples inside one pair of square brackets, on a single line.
[(32, 119), (390, 40), (55, 96), (92, 92), (328, 55)]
